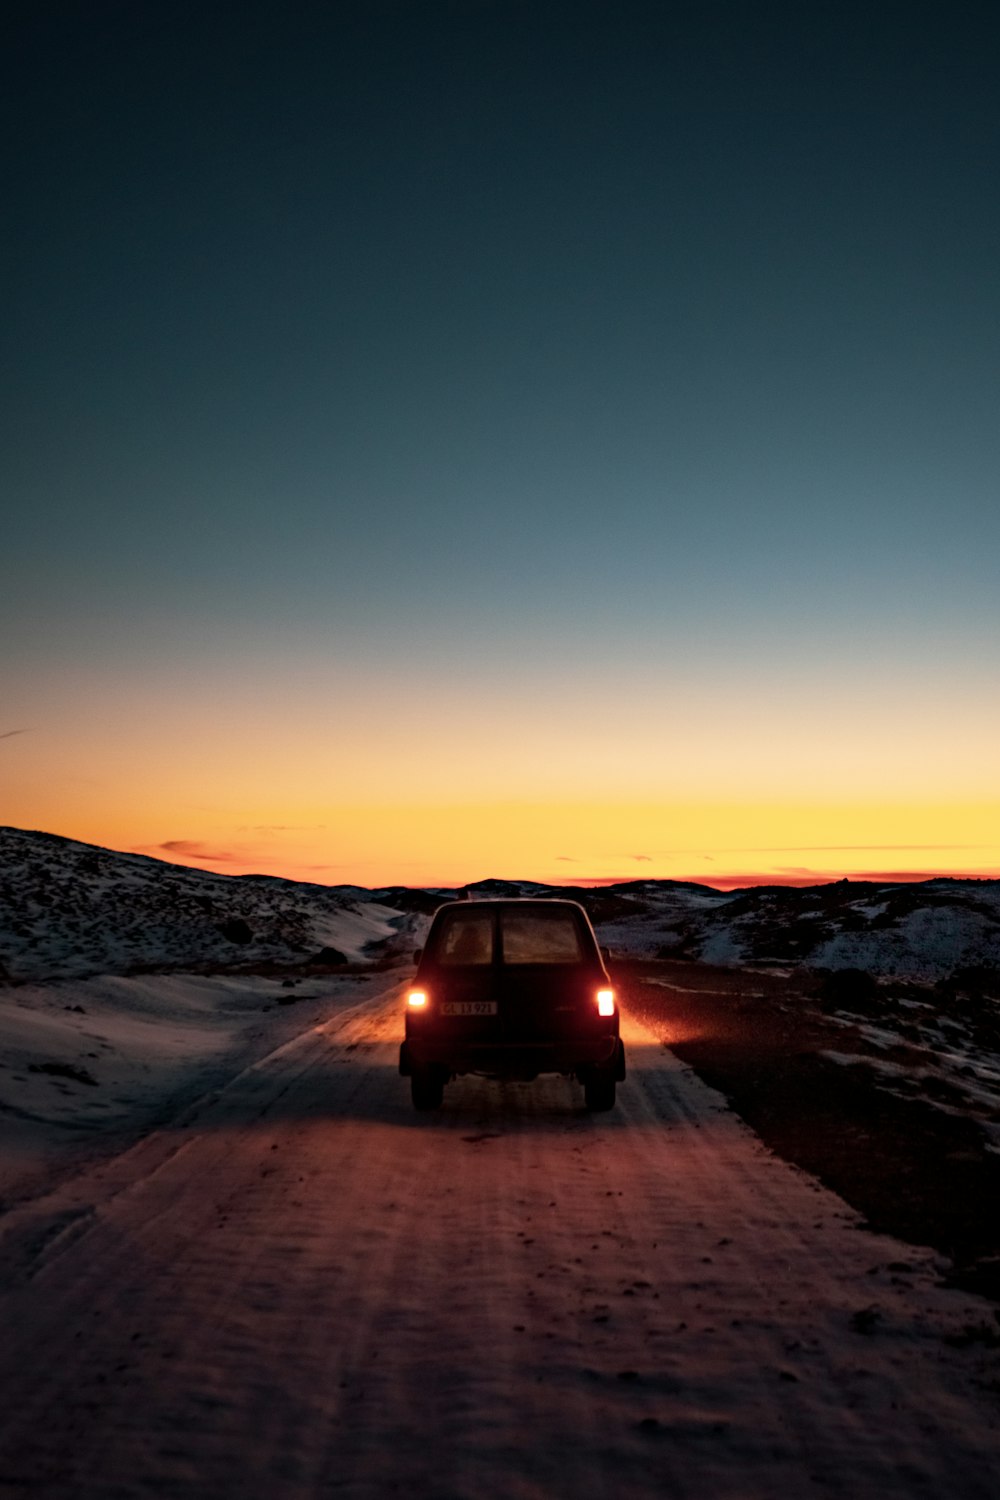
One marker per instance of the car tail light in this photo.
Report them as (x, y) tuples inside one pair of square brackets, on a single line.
[(605, 1002), (417, 999)]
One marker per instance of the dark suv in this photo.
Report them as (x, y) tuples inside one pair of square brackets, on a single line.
[(511, 989)]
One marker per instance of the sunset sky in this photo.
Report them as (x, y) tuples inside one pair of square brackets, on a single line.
[(457, 439)]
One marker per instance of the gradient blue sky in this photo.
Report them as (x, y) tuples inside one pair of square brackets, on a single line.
[(498, 401)]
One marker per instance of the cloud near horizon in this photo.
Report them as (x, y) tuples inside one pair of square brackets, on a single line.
[(194, 849)]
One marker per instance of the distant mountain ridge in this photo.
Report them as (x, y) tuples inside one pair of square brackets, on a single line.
[(69, 909)]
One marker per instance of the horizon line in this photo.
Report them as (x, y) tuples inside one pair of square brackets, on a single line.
[(729, 882), (796, 878)]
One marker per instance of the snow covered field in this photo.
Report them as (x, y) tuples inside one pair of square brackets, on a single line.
[(301, 1288), (88, 1063)]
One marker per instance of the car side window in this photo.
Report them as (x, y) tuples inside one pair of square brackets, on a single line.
[(467, 939), (533, 938)]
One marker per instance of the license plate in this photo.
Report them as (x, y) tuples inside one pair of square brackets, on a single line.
[(469, 1008)]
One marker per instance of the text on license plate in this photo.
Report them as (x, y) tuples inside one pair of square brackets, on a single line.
[(469, 1008)]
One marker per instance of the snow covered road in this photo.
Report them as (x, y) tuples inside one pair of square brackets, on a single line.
[(305, 1289)]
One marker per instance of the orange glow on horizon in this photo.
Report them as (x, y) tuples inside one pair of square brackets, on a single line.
[(724, 780), (724, 845)]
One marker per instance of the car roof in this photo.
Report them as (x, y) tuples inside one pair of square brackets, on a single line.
[(515, 903)]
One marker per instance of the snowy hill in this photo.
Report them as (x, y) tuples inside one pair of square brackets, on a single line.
[(69, 909), (925, 929)]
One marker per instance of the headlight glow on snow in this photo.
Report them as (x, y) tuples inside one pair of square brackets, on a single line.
[(605, 1002)]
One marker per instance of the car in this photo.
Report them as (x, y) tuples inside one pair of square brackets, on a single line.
[(511, 989)]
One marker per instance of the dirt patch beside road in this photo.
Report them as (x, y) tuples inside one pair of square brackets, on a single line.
[(914, 1170)]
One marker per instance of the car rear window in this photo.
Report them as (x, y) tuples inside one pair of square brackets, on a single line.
[(467, 938), (540, 938)]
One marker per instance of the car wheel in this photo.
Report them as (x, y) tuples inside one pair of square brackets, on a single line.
[(599, 1091), (426, 1088)]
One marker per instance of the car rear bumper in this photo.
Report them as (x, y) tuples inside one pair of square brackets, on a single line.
[(509, 1059)]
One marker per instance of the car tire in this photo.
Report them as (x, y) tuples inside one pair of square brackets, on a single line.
[(599, 1091), (426, 1088)]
